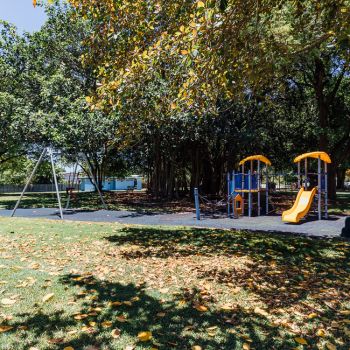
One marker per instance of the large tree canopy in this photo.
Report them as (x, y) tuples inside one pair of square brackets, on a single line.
[(205, 49)]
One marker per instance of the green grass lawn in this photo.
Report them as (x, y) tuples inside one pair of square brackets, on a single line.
[(97, 286), (123, 200), (141, 202)]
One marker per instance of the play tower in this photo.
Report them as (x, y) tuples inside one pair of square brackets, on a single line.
[(248, 181), (306, 194)]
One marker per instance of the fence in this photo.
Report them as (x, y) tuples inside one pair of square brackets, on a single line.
[(34, 188)]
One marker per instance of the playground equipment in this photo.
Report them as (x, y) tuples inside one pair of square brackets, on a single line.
[(238, 184), (48, 151), (305, 198)]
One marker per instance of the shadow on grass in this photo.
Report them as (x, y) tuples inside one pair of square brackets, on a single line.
[(174, 324), (281, 269), (138, 203)]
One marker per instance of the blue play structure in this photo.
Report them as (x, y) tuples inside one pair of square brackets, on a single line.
[(250, 182), (241, 182)]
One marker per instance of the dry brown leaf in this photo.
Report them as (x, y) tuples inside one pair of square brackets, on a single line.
[(331, 346), (321, 332), (4, 329), (48, 297), (80, 316), (144, 336), (201, 308), (115, 303), (121, 318), (8, 301), (115, 333), (106, 324), (301, 341)]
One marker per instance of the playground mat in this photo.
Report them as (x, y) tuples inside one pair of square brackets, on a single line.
[(332, 228)]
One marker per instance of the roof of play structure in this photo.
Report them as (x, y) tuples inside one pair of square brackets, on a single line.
[(256, 157), (322, 155)]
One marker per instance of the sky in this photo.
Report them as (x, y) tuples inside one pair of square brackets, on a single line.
[(22, 14)]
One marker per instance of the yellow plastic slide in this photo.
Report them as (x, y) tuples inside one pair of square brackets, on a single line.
[(300, 207)]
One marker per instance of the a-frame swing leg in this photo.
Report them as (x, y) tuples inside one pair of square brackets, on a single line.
[(56, 184), (43, 153)]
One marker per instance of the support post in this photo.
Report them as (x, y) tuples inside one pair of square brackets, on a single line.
[(267, 190), (243, 185), (258, 187), (325, 190), (43, 153), (250, 193), (228, 194), (306, 174), (279, 182), (299, 176), (233, 190), (319, 188), (196, 202), (56, 184)]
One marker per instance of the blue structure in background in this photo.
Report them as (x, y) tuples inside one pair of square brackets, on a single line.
[(114, 184)]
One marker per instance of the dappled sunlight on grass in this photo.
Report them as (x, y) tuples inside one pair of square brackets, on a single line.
[(100, 285)]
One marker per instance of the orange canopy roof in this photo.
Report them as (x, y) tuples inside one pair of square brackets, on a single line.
[(323, 155), (256, 157)]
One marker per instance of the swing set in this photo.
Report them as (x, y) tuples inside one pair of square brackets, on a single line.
[(47, 151)]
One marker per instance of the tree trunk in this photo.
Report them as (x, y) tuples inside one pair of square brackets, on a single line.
[(341, 178), (323, 118)]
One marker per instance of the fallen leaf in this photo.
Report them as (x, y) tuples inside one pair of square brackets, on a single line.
[(80, 316), (106, 324), (246, 346), (23, 328), (47, 297), (144, 336), (321, 332), (115, 303), (121, 318), (130, 347), (301, 341), (201, 308), (196, 347), (7, 301), (312, 315), (115, 333), (260, 311), (68, 348), (4, 329), (331, 346)]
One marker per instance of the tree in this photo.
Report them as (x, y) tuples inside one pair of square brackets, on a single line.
[(57, 88), (12, 105)]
